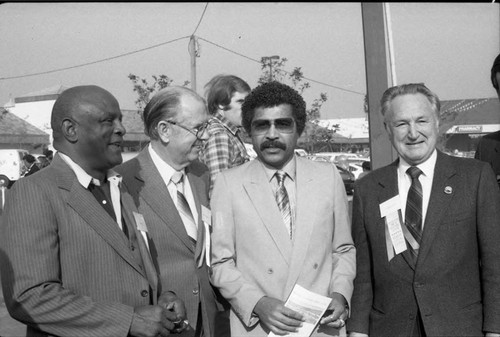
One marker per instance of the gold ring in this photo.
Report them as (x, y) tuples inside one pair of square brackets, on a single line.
[(342, 322)]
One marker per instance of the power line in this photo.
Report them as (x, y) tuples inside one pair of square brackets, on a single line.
[(201, 18), (284, 71), (94, 62)]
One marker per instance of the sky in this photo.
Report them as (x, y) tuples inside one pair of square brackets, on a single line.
[(448, 46)]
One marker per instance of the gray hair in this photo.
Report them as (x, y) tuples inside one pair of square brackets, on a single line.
[(409, 89), (164, 106)]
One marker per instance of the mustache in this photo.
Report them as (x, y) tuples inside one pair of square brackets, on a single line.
[(272, 144)]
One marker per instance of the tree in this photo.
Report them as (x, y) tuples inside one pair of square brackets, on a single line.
[(145, 90)]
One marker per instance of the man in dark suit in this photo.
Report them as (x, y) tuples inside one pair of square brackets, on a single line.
[(435, 273), (30, 163), (488, 148), (176, 120), (74, 253)]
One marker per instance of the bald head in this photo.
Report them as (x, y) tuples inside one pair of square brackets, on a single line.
[(73, 102), (87, 126)]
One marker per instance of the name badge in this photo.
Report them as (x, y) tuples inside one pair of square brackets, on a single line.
[(140, 222), (206, 217), (390, 210)]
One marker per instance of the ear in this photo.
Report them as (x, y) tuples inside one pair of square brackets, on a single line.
[(70, 130), (164, 131)]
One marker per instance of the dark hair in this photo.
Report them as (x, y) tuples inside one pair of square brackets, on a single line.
[(272, 94), (494, 70), (29, 158), (220, 89), (164, 105), (366, 165)]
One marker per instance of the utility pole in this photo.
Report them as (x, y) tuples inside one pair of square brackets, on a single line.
[(193, 51), (269, 61)]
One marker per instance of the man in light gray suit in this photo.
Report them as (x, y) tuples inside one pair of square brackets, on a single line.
[(175, 120), (263, 245), (74, 253)]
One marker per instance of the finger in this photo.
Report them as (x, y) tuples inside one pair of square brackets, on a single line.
[(292, 314), (164, 332), (167, 323)]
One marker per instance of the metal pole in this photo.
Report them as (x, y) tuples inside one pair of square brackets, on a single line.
[(193, 53)]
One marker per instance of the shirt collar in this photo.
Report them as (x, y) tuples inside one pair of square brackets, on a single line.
[(230, 126), (84, 178), (289, 169), (166, 171), (427, 167)]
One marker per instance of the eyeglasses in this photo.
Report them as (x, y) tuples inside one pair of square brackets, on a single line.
[(282, 125), (197, 131)]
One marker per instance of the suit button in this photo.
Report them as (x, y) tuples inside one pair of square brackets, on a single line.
[(315, 266), (144, 293), (132, 248), (270, 271), (195, 291), (418, 285)]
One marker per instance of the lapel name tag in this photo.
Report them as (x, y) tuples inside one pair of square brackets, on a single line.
[(140, 222), (390, 210), (206, 216)]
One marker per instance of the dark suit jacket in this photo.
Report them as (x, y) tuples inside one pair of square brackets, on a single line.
[(488, 150), (66, 267), (455, 283), (173, 248), (33, 168)]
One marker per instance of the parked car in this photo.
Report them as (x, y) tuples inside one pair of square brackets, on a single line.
[(347, 177), (11, 166)]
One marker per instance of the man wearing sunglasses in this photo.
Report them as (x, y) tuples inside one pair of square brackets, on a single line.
[(170, 188), (278, 221)]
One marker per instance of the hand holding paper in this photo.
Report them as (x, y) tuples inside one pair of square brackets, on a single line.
[(278, 318)]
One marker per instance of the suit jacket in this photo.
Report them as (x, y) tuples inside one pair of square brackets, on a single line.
[(454, 283), (488, 150), (33, 168), (172, 247), (252, 255), (67, 268)]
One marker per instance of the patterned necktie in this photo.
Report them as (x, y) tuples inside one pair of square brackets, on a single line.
[(183, 206), (283, 201), (413, 214)]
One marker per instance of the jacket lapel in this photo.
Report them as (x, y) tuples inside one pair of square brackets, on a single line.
[(128, 207), (261, 195), (197, 188), (438, 202), (305, 217), (82, 201), (156, 195)]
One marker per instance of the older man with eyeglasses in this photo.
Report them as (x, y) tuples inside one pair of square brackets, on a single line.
[(280, 221), (170, 187)]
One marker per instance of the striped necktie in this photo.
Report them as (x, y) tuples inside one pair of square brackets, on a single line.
[(413, 213), (283, 201), (183, 206)]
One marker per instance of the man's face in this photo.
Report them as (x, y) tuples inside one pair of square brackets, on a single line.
[(183, 146), (233, 112), (413, 127), (100, 133), (274, 135)]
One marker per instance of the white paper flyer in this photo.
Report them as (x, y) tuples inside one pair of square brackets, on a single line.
[(308, 303)]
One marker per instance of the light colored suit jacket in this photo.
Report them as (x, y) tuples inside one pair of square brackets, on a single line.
[(172, 248), (252, 255), (455, 283), (67, 268)]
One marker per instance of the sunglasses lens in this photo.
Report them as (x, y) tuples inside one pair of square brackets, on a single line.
[(283, 125)]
